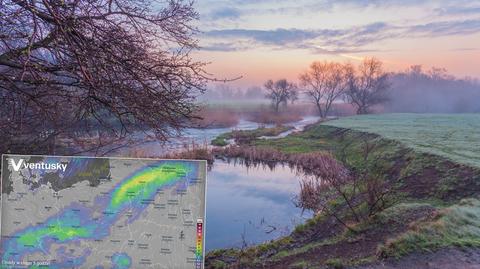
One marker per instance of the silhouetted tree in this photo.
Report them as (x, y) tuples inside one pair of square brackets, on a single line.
[(280, 92), (367, 86), (324, 82), (105, 67)]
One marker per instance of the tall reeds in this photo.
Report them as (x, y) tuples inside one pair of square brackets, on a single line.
[(327, 186), (193, 151)]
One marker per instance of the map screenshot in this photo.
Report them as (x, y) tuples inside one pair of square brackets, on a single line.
[(82, 212)]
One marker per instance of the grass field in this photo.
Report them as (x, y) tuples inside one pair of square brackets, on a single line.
[(454, 136), (434, 204)]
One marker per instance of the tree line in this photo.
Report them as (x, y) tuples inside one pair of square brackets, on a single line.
[(325, 82), (434, 90)]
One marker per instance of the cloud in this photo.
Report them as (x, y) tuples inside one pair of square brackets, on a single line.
[(271, 37), (447, 28), (264, 7), (338, 51), (457, 10), (223, 46), (225, 13), (335, 41), (325, 41)]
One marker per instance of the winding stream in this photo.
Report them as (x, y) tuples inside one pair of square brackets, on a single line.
[(204, 136), (245, 206)]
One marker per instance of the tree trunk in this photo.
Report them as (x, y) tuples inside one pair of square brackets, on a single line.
[(328, 105), (277, 105), (361, 110), (320, 111)]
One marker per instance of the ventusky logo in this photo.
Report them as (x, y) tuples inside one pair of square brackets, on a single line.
[(22, 164), (16, 166)]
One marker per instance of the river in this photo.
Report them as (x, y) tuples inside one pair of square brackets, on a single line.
[(249, 205), (204, 136), (245, 206)]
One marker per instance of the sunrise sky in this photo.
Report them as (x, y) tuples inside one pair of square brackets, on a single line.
[(267, 39)]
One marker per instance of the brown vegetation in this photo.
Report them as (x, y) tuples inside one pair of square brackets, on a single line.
[(267, 116), (212, 117), (327, 186), (313, 163), (193, 151)]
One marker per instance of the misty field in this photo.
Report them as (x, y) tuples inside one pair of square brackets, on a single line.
[(454, 136)]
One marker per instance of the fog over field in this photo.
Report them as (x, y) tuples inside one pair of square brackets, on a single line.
[(433, 91), (413, 90)]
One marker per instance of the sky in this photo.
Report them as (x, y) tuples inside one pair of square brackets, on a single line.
[(273, 39)]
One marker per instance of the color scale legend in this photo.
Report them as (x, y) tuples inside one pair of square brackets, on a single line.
[(199, 248)]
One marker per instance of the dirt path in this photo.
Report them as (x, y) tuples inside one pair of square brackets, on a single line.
[(451, 258)]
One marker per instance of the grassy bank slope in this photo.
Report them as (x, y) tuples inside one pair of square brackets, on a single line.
[(453, 136), (433, 207)]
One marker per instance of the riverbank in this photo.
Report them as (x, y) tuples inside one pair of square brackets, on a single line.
[(247, 136), (431, 206)]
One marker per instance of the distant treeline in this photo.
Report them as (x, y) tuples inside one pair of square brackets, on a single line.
[(224, 91), (433, 91), (413, 90)]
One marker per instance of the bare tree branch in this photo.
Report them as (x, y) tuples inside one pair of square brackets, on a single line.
[(280, 92), (324, 82), (107, 67), (367, 86)]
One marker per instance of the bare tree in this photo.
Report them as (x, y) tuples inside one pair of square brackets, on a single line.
[(367, 86), (329, 180), (324, 82), (344, 191), (280, 92), (107, 67)]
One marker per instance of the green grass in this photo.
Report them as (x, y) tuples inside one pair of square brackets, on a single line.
[(219, 264), (335, 263), (348, 144), (454, 136), (301, 264), (407, 145), (457, 225), (390, 160), (306, 248), (221, 140), (398, 211)]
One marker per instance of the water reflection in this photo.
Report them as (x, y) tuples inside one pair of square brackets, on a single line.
[(252, 205)]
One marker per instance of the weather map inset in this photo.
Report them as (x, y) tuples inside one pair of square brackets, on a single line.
[(82, 212)]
